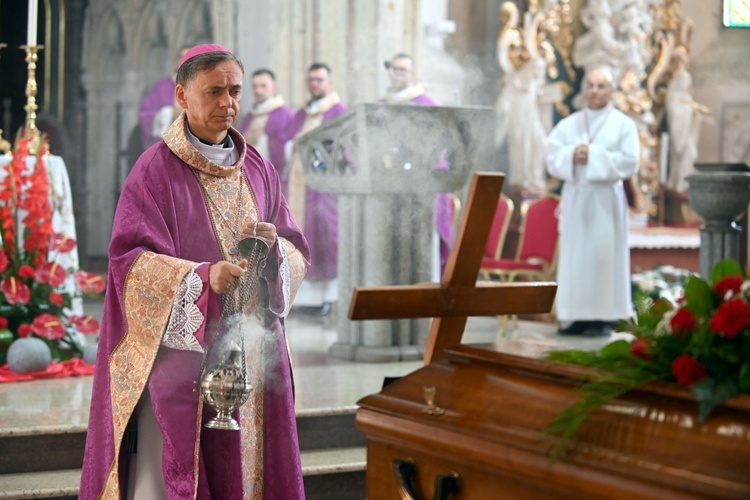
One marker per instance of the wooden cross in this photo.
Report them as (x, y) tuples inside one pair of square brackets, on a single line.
[(458, 296)]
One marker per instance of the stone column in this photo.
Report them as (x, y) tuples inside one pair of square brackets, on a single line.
[(720, 198)]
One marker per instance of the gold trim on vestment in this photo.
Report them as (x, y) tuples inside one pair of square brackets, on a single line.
[(176, 139), (297, 192), (222, 185), (150, 287)]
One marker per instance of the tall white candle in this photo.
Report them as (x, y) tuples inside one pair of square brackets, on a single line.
[(32, 20)]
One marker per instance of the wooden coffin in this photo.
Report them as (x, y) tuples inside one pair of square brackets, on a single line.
[(487, 444)]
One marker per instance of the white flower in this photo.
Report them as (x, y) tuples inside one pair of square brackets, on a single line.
[(665, 327)]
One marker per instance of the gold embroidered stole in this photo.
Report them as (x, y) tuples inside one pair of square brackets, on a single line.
[(151, 275), (255, 134)]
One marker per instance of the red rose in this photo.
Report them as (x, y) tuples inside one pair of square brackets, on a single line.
[(24, 330), (640, 348), (3, 323), (26, 271), (731, 318), (56, 298), (687, 371), (682, 322), (48, 326), (728, 283)]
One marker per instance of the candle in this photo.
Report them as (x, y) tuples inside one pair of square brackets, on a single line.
[(32, 21)]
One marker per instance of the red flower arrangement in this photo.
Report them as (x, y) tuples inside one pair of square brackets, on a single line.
[(33, 301), (702, 342)]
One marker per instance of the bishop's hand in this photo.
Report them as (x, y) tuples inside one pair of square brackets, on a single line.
[(261, 230), (223, 276)]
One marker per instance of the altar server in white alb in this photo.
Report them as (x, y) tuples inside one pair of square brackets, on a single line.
[(593, 151)]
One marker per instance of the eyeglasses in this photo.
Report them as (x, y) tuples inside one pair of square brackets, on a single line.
[(316, 80), (399, 70)]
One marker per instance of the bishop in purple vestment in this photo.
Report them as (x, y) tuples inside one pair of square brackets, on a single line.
[(173, 264), (266, 127)]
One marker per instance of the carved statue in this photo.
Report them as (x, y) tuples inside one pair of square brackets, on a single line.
[(517, 108), (598, 47), (684, 117)]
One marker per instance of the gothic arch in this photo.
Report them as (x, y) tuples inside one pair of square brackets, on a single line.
[(105, 70), (195, 24), (150, 45)]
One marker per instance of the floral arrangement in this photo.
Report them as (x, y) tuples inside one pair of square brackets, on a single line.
[(661, 282), (33, 300), (701, 341)]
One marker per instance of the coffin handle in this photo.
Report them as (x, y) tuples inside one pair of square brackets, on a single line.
[(445, 486), (404, 471)]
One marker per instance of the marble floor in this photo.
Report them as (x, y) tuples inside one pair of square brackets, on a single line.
[(322, 383)]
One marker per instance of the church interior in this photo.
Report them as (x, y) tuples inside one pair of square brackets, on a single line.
[(422, 376)]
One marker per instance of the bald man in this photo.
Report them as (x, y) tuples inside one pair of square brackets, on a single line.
[(593, 151)]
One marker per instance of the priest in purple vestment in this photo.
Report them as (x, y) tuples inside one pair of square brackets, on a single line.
[(173, 268), (405, 89), (158, 109), (267, 125), (318, 211)]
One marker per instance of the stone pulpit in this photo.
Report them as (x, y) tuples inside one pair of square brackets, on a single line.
[(387, 163)]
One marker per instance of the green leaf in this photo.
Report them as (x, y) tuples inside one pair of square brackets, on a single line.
[(711, 393), (745, 377), (698, 296), (575, 357), (724, 268), (619, 349)]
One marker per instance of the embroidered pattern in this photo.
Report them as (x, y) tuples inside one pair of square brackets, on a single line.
[(175, 139), (151, 278), (185, 318)]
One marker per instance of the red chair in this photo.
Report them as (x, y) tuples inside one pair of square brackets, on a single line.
[(536, 257), (493, 250)]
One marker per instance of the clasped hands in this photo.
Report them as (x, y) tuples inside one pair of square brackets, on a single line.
[(224, 275), (581, 154)]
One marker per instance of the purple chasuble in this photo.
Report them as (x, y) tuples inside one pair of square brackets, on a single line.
[(424, 100), (162, 94), (162, 210), (321, 214), (276, 130)]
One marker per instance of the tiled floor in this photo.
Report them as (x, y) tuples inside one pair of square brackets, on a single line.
[(321, 382)]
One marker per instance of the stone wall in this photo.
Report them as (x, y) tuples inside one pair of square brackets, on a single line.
[(721, 76)]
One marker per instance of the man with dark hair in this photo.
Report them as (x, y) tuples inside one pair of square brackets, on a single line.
[(318, 211), (178, 288), (265, 127)]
